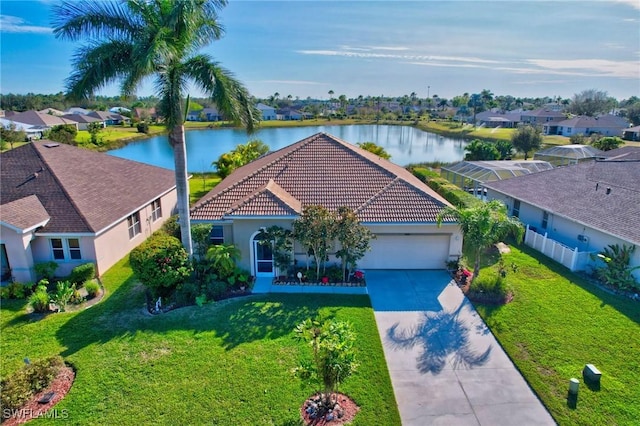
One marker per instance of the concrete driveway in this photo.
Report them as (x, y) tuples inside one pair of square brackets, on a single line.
[(445, 365)]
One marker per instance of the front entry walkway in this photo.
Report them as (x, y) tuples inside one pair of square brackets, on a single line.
[(445, 365)]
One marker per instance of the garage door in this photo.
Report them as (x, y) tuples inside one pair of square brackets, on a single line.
[(413, 251)]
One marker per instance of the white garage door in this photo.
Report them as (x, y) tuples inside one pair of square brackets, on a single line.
[(413, 251)]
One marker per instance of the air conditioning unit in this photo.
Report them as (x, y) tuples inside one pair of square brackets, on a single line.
[(583, 238)]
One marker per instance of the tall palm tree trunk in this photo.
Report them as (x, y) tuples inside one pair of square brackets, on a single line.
[(177, 140)]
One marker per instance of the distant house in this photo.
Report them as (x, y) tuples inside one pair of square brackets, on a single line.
[(31, 132), (52, 111), (324, 170), (72, 206), (83, 120), (584, 207), (77, 110), (145, 113), (287, 114), (119, 110), (497, 119), (605, 125), (205, 114), (540, 117), (268, 112), (109, 118), (631, 134), (44, 121), (563, 155)]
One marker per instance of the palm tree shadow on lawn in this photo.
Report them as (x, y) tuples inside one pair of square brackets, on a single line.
[(235, 321), (440, 335)]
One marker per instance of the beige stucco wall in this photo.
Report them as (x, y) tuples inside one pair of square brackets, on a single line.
[(19, 253)]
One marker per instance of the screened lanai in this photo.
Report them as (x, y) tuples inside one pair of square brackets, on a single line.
[(471, 175), (564, 155)]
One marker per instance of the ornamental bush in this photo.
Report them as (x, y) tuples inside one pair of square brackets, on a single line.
[(161, 264), (82, 273), (29, 380)]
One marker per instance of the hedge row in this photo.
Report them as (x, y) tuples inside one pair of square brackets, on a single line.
[(449, 191)]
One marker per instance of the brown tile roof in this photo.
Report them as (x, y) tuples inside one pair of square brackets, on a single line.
[(81, 190), (325, 170), (24, 213), (579, 192)]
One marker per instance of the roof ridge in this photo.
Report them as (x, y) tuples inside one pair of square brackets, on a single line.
[(37, 148), (377, 195)]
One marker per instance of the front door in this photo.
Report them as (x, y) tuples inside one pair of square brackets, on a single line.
[(263, 258)]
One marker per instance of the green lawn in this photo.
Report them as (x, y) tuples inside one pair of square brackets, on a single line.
[(200, 184), (556, 324), (227, 363)]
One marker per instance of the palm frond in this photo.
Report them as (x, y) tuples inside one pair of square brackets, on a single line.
[(94, 20), (231, 98), (97, 65)]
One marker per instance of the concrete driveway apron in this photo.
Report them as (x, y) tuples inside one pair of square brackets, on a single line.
[(445, 365)]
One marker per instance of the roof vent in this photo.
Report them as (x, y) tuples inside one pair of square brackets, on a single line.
[(608, 190), (51, 145)]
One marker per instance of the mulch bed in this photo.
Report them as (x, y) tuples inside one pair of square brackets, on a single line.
[(34, 409), (347, 406)]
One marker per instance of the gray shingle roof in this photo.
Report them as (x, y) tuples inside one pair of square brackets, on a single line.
[(24, 213), (81, 190), (579, 192), (324, 170)]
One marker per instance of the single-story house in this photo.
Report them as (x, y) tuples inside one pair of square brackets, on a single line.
[(77, 110), (631, 134), (497, 119), (73, 206), (205, 114), (83, 120), (45, 121), (324, 170), (31, 131), (144, 113), (605, 125), (585, 206), (287, 114), (52, 111), (110, 118), (268, 112)]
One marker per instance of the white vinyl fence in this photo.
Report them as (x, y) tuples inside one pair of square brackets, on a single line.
[(572, 258)]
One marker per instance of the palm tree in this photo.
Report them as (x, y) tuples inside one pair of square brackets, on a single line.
[(131, 40), (482, 226)]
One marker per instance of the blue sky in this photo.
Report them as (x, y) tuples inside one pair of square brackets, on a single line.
[(390, 48)]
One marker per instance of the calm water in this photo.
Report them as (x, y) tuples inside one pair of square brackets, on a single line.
[(405, 144)]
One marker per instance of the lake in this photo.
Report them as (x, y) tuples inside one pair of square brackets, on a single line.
[(405, 144)]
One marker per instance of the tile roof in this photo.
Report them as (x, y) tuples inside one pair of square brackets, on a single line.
[(82, 191), (24, 213), (579, 192), (324, 170)]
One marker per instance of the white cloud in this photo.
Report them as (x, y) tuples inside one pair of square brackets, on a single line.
[(389, 48), (633, 3), (14, 24), (352, 53), (594, 67)]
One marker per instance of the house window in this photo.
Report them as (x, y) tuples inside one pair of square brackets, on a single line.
[(57, 248), (74, 248), (63, 249), (217, 236), (134, 225), (516, 208), (545, 220), (156, 210)]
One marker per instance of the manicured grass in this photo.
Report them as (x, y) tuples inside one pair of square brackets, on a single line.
[(227, 363), (555, 325), (200, 184)]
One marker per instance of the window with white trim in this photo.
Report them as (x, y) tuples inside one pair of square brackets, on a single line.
[(66, 249), (156, 210), (516, 208), (545, 220), (134, 225)]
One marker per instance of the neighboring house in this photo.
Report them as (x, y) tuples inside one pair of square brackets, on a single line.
[(31, 132), (73, 206), (83, 120), (605, 125), (205, 114), (540, 117), (586, 206), (120, 110), (497, 119), (44, 121), (287, 114), (268, 112), (145, 113), (109, 118), (563, 155), (324, 170), (631, 134)]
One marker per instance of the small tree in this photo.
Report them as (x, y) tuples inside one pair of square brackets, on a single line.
[(526, 139), (223, 258), (65, 133), (478, 150), (161, 264), (607, 143), (11, 134), (616, 271), (315, 230), (483, 226), (354, 239), (241, 155), (94, 130), (200, 234), (375, 149), (334, 357)]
